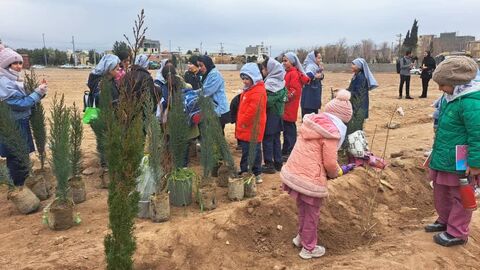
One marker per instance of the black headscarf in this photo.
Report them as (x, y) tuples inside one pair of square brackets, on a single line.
[(208, 62)]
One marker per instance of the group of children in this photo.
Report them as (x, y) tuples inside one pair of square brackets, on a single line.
[(269, 104)]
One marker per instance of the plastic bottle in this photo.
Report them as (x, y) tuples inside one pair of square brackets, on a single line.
[(467, 195)]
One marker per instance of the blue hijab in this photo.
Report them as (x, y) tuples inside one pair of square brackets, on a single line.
[(252, 71), (362, 64), (106, 64), (142, 60), (293, 58)]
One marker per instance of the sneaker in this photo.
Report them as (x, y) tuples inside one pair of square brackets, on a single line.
[(447, 240), (268, 169), (258, 179), (317, 252), (297, 241)]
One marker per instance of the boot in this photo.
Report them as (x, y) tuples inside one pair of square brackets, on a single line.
[(268, 168)]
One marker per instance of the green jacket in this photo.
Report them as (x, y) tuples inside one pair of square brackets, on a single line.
[(458, 124), (276, 101)]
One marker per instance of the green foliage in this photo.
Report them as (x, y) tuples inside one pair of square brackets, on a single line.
[(99, 125), (124, 145), (177, 123), (156, 148), (11, 136), (54, 56), (37, 119), (411, 39), (76, 135), (60, 145), (5, 177), (120, 48), (93, 57)]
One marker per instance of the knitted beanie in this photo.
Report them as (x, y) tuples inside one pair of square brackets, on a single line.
[(340, 106), (455, 70), (8, 56)]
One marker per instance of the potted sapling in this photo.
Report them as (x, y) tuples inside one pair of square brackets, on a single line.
[(21, 196), (159, 201), (60, 211), (76, 184), (40, 181)]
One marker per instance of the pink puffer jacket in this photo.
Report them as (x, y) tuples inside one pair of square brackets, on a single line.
[(313, 157)]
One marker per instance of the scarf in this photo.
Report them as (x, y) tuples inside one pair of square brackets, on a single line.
[(293, 58), (462, 90), (310, 64), (275, 80), (362, 64), (142, 61), (208, 62), (342, 128), (160, 77), (14, 76), (106, 64), (252, 71)]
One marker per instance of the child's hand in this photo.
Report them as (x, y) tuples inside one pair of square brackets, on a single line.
[(472, 171)]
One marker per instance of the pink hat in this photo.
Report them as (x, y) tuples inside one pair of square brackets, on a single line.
[(340, 106), (8, 56)]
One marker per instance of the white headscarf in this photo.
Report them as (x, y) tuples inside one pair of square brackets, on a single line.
[(159, 72), (106, 64), (362, 64), (310, 63), (275, 80), (252, 71), (142, 60), (293, 58)]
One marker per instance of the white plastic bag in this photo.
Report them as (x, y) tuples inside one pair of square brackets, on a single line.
[(146, 181), (357, 144)]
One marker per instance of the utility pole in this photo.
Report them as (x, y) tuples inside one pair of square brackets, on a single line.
[(221, 52), (391, 54), (399, 43), (44, 50), (74, 55)]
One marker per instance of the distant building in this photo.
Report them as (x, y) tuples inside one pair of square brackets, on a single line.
[(474, 48), (450, 42), (256, 51), (425, 43), (150, 46)]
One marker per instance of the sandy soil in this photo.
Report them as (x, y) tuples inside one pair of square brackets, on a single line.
[(245, 235)]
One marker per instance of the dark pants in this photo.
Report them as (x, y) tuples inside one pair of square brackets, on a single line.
[(308, 111), (289, 137), (404, 79), (425, 86), (17, 172), (257, 164), (272, 148)]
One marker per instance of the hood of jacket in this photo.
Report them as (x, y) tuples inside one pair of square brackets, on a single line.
[(316, 126)]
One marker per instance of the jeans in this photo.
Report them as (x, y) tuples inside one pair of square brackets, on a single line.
[(257, 163), (404, 79), (308, 111), (425, 86), (272, 148), (289, 137)]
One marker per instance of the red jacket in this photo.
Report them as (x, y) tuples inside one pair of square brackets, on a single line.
[(251, 101), (294, 81)]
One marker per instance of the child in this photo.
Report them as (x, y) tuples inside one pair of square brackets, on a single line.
[(274, 75), (294, 81), (313, 159), (312, 92), (12, 92), (459, 124), (253, 103)]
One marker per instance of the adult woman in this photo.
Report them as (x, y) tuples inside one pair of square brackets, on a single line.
[(274, 75), (12, 92), (213, 86), (428, 66), (139, 80), (294, 81), (312, 92), (362, 82)]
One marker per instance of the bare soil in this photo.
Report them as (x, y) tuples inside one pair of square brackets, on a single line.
[(257, 233)]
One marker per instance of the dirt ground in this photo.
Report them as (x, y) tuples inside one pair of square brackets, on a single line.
[(246, 234)]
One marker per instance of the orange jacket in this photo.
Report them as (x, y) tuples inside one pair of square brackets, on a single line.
[(252, 101)]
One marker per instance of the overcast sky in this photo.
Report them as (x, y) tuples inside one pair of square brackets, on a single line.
[(236, 23)]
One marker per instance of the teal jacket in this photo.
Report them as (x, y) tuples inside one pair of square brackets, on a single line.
[(458, 124), (276, 101)]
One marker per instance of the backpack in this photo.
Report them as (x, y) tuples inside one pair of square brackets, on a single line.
[(398, 65)]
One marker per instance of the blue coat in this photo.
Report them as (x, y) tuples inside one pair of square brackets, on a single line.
[(312, 94), (21, 105), (359, 89), (214, 87)]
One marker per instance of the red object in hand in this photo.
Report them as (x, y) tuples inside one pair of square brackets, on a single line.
[(44, 81), (467, 194), (196, 118)]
